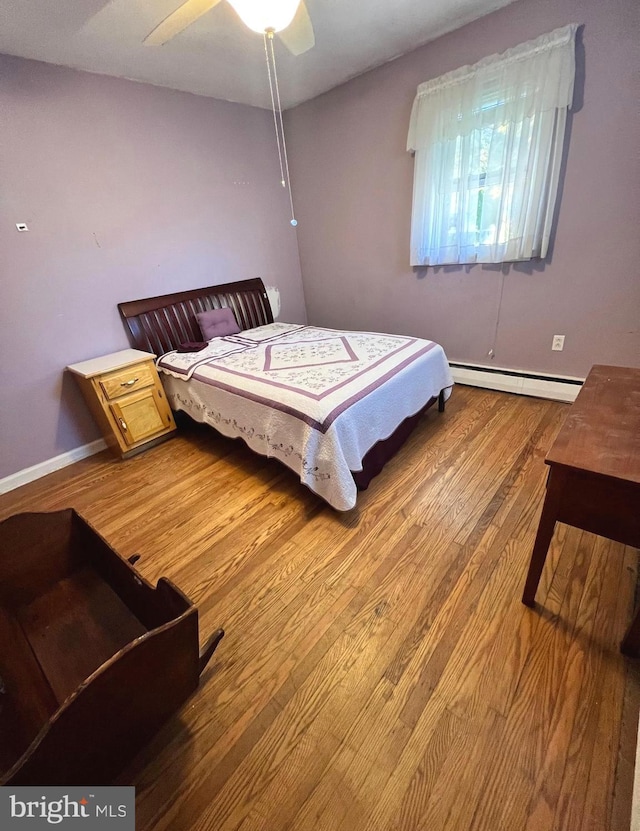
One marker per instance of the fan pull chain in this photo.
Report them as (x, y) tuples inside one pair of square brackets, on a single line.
[(273, 108), (278, 121)]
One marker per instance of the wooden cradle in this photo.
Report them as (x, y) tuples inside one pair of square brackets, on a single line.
[(93, 659)]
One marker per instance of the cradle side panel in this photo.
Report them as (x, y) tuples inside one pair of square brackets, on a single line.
[(115, 713)]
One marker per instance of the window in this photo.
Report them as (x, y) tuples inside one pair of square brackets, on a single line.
[(488, 143)]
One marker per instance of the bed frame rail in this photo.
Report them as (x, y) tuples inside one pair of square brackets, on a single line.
[(160, 324)]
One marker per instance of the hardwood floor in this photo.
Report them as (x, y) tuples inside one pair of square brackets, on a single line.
[(379, 671)]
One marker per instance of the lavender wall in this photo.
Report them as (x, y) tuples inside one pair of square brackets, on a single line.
[(128, 191), (353, 183)]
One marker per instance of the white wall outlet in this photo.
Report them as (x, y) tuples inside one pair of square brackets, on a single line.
[(557, 344), (21, 226)]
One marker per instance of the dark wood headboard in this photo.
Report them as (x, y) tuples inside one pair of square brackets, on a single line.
[(160, 324)]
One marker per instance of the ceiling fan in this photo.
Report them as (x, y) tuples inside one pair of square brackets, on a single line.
[(289, 19)]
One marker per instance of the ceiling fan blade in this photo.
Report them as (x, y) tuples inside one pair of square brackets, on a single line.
[(177, 21), (298, 37)]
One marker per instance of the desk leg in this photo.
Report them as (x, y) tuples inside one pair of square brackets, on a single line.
[(631, 642), (546, 527)]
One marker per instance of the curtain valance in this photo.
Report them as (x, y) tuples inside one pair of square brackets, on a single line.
[(530, 78)]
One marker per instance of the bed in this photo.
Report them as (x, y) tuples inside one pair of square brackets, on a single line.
[(333, 406)]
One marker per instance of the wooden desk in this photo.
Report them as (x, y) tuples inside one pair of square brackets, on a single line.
[(594, 476)]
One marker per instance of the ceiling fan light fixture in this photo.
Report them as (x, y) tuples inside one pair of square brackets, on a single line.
[(266, 15)]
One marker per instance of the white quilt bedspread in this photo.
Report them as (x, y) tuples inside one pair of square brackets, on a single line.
[(317, 399)]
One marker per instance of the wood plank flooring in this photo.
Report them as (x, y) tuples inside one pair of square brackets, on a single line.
[(379, 671)]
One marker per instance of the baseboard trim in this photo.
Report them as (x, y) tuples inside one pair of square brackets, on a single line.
[(30, 474), (538, 385)]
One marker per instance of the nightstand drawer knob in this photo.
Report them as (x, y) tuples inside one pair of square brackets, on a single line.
[(123, 424), (129, 383)]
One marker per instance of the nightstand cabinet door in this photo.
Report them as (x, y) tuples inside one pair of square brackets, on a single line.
[(141, 415)]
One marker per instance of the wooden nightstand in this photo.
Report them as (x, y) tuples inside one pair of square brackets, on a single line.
[(127, 400)]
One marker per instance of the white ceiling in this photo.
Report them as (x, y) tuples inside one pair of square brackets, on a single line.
[(217, 55)]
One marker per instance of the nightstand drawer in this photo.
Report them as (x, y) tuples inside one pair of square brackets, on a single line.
[(122, 381)]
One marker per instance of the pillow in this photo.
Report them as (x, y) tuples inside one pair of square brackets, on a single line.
[(216, 323)]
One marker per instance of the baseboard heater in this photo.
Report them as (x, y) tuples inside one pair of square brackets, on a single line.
[(538, 385)]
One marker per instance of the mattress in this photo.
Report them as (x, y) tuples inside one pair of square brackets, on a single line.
[(316, 399)]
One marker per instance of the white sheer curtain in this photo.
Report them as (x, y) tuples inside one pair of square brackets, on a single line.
[(488, 142)]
